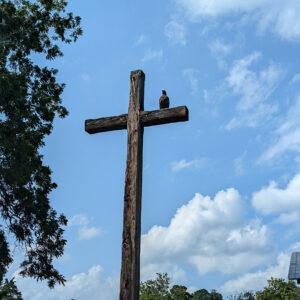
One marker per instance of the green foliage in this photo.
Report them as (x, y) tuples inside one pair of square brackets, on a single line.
[(214, 295), (30, 98), (157, 289), (9, 291), (200, 294), (179, 292), (249, 295), (278, 289), (203, 294)]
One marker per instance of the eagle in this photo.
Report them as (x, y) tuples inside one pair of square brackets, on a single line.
[(164, 101)]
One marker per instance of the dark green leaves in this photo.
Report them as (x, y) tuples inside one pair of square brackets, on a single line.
[(9, 291), (30, 98), (156, 289), (159, 289), (5, 258), (278, 289)]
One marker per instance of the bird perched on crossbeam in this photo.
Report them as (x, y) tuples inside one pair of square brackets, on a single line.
[(164, 101)]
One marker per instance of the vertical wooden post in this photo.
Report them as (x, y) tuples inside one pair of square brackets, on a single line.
[(131, 240), (134, 121)]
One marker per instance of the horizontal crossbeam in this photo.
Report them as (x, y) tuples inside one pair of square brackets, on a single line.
[(148, 118), (106, 124)]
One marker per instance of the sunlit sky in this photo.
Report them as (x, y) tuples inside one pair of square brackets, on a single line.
[(221, 192)]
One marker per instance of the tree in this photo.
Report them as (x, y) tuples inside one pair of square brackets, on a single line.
[(278, 289), (248, 295), (214, 295), (200, 294), (203, 294), (9, 291), (157, 289), (179, 292), (30, 98)]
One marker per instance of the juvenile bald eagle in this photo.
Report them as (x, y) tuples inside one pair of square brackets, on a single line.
[(164, 101)]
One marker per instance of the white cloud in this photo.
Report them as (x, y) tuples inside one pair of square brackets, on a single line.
[(84, 232), (219, 50), (175, 33), (191, 74), (295, 79), (183, 164), (196, 8), (78, 219), (218, 47), (238, 163), (83, 286), (287, 23), (288, 218), (140, 40), (257, 280), (149, 271), (254, 88), (152, 55), (279, 17), (287, 135), (209, 234), (272, 199)]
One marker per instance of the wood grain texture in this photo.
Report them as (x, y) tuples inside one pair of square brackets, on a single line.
[(131, 240), (147, 118), (164, 116), (134, 121), (106, 124)]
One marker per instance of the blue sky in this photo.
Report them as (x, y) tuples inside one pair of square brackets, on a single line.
[(221, 193)]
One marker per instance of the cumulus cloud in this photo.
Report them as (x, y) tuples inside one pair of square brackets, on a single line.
[(175, 33), (149, 271), (254, 88), (286, 136), (85, 232), (152, 55), (288, 218), (191, 75), (257, 280), (183, 164), (280, 17), (90, 285), (285, 201), (209, 234)]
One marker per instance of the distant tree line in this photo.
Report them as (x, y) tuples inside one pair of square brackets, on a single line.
[(160, 289)]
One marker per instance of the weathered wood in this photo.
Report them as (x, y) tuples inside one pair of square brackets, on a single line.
[(134, 121), (147, 118), (164, 116), (131, 241), (106, 124)]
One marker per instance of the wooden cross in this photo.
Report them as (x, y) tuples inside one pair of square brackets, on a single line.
[(134, 121)]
